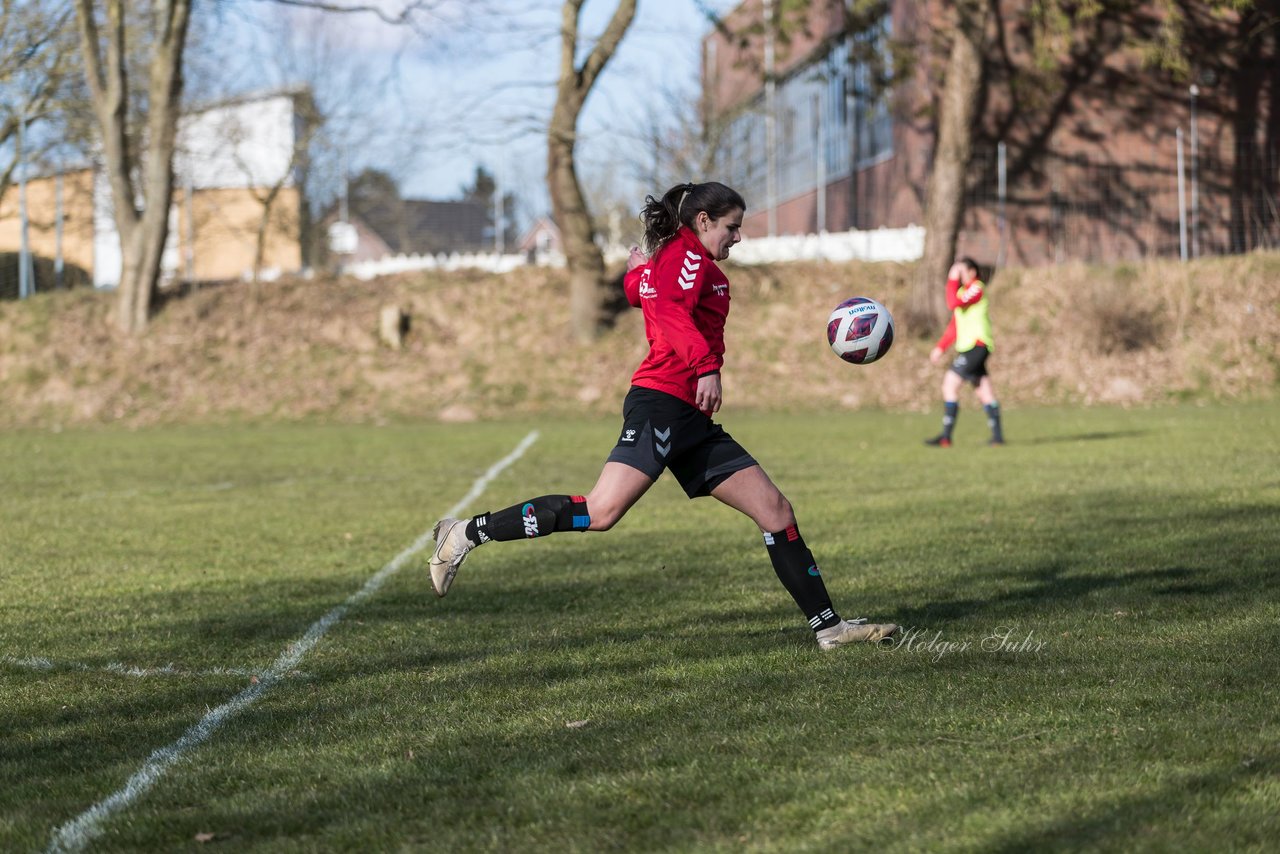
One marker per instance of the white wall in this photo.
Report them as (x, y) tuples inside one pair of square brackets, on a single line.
[(882, 244), (240, 145)]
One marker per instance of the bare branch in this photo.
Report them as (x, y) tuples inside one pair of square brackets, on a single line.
[(405, 16)]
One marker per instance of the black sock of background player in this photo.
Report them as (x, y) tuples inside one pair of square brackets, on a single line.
[(798, 572), (950, 409), (536, 517), (993, 421)]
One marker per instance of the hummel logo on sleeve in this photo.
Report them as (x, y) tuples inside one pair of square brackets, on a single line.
[(689, 272)]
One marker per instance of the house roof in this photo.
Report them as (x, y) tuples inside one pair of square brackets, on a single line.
[(419, 227), (542, 224)]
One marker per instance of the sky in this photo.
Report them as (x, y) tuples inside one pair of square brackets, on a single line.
[(660, 54), (477, 92)]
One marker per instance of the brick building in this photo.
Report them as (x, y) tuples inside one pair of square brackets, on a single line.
[(1089, 154)]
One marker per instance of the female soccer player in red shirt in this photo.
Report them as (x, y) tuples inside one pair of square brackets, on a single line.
[(667, 416)]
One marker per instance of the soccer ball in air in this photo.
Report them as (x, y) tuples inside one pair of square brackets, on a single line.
[(860, 330)]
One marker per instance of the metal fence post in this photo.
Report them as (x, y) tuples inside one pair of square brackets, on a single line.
[(1195, 175), (1001, 191), (1182, 202), (770, 122)]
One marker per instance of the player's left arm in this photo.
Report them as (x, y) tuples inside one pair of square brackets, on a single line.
[(952, 291)]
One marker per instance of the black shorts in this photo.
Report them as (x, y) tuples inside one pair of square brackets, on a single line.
[(971, 365), (662, 431)]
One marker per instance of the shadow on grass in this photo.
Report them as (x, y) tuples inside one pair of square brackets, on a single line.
[(1099, 436), (1053, 586), (1225, 556), (620, 625), (1131, 820)]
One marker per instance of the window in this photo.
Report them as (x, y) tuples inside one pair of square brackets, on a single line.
[(831, 108), (872, 122)]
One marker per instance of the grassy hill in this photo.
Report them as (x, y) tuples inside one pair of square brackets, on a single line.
[(481, 345)]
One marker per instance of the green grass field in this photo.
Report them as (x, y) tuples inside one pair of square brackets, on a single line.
[(653, 688)]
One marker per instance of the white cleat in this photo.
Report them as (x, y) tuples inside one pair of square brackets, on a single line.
[(451, 550), (855, 631)]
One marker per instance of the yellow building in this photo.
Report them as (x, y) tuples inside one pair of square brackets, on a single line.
[(232, 158), (71, 193)]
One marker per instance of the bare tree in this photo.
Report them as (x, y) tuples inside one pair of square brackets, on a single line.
[(37, 76), (670, 148), (138, 125), (569, 207), (104, 36)]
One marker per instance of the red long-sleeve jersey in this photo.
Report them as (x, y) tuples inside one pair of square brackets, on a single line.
[(685, 300)]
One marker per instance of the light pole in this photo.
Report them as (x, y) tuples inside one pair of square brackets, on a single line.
[(26, 281)]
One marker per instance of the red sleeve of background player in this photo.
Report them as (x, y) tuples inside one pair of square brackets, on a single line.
[(953, 285), (949, 336), (958, 297), (677, 279)]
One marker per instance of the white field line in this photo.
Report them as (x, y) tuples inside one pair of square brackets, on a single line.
[(80, 831), (47, 665)]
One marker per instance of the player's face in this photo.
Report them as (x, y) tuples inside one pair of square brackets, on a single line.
[(719, 235)]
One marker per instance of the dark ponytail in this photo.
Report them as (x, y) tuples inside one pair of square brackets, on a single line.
[(681, 205)]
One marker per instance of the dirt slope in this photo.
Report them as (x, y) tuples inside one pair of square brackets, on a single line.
[(482, 345)]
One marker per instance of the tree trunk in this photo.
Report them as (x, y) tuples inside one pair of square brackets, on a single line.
[(142, 232), (268, 203), (568, 206), (1270, 163), (585, 260), (944, 200), (1247, 88)]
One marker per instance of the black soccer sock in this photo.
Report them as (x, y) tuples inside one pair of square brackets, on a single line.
[(798, 572), (950, 409), (993, 420), (536, 517)]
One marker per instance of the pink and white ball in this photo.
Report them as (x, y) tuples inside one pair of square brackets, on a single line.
[(860, 330)]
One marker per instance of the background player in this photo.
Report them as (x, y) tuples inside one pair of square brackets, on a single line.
[(970, 331)]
